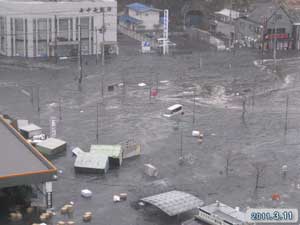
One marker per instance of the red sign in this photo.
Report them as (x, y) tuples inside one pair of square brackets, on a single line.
[(154, 92), (277, 36)]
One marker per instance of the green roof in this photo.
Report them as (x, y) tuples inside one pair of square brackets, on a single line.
[(114, 151)]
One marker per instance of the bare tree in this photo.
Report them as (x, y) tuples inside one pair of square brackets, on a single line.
[(259, 172)]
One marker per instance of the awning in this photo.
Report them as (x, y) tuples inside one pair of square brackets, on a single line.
[(20, 162)]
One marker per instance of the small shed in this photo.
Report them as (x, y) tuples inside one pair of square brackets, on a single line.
[(91, 163), (30, 130), (113, 152), (19, 123), (51, 146)]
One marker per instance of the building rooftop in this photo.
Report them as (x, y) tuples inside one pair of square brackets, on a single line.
[(225, 212), (229, 13), (261, 12), (174, 202), (292, 8), (114, 151), (140, 7), (43, 7), (20, 162)]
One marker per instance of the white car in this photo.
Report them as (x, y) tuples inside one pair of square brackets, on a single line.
[(174, 110)]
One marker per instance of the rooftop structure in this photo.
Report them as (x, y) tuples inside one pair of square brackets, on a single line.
[(141, 7), (113, 152), (20, 162), (228, 13), (174, 202), (218, 213), (91, 162)]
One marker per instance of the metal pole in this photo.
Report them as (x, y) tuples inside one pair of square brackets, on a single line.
[(181, 144), (55, 39), (262, 42), (275, 40), (103, 54), (59, 109), (80, 56), (96, 31), (97, 121), (31, 96), (103, 37), (194, 107), (286, 115), (38, 104)]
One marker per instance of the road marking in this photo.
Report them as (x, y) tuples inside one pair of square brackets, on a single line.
[(26, 92)]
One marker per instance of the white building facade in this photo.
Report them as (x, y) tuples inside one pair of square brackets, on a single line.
[(31, 28)]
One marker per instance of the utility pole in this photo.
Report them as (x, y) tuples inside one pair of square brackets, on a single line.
[(96, 32), (31, 96), (38, 104), (194, 106), (103, 37), (80, 56), (230, 21), (262, 43), (97, 122), (55, 39), (275, 40), (60, 109), (286, 115), (181, 146), (103, 52)]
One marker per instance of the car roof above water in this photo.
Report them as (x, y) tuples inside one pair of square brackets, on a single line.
[(171, 108)]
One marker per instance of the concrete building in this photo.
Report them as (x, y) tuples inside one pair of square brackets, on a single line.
[(39, 28), (218, 214), (140, 17), (224, 24)]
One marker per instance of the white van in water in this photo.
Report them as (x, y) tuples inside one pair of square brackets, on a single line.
[(174, 110)]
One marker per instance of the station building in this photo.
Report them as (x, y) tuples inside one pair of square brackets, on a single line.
[(43, 28)]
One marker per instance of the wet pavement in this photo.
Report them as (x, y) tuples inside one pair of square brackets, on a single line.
[(219, 84)]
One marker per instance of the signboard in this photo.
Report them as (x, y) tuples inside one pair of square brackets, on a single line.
[(277, 36), (154, 92), (146, 46), (53, 126), (48, 189), (166, 31)]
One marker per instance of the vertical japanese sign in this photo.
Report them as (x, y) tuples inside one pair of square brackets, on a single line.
[(48, 195), (166, 32), (53, 126)]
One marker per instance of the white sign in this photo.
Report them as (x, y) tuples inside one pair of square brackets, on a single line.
[(53, 127), (48, 187), (166, 32), (146, 46)]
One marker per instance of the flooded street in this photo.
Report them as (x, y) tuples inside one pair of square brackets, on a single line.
[(217, 82)]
